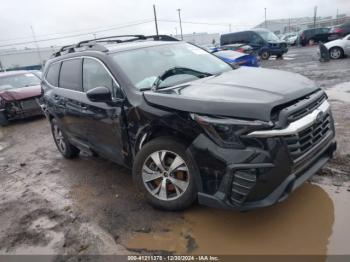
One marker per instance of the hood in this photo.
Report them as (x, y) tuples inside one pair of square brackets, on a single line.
[(334, 43), (245, 92), (20, 93)]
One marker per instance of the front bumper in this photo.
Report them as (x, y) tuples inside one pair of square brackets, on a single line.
[(223, 197), (269, 168)]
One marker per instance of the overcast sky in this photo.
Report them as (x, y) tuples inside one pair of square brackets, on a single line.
[(57, 18)]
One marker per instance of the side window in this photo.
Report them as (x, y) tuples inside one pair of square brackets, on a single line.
[(95, 75), (70, 75), (52, 74)]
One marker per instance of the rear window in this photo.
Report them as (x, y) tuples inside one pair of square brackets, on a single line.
[(71, 75), (52, 74)]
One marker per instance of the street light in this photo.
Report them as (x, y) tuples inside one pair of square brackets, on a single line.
[(179, 10)]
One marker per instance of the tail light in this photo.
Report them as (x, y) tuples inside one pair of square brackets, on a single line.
[(338, 30), (240, 50)]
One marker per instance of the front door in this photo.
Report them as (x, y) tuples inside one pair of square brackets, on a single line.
[(103, 120)]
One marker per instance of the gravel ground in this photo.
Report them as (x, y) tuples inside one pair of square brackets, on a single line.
[(50, 205)]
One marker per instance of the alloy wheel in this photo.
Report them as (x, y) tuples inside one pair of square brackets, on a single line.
[(165, 175), (335, 53), (59, 138)]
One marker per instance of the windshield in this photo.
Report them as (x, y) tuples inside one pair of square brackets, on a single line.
[(18, 81), (268, 36), (144, 66)]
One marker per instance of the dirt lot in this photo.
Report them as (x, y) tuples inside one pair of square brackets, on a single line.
[(50, 205)]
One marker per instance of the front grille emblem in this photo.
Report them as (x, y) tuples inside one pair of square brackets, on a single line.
[(319, 117)]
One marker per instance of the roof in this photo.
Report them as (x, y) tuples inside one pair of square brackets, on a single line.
[(11, 73), (112, 44)]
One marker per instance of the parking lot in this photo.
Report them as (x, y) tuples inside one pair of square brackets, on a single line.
[(50, 205)]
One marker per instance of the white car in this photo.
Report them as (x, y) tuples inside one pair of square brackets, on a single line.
[(338, 48)]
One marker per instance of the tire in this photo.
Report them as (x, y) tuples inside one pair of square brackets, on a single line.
[(3, 119), (165, 189), (280, 56), (336, 52), (265, 55), (63, 145)]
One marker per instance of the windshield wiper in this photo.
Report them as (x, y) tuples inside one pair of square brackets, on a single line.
[(177, 71)]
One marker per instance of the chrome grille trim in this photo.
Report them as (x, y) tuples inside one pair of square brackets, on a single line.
[(296, 126)]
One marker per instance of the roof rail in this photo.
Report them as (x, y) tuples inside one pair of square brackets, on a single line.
[(93, 44)]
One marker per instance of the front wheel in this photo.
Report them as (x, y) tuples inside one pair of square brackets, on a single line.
[(265, 55), (165, 174), (62, 143), (336, 52)]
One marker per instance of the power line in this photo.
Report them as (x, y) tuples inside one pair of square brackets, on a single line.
[(77, 35), (201, 23), (70, 32)]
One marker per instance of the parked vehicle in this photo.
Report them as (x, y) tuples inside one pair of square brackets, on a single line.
[(339, 48), (237, 58), (263, 41), (38, 73), (188, 124), (341, 30), (243, 48), (290, 38), (314, 35), (18, 93)]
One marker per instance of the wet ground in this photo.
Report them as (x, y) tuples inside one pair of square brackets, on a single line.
[(50, 205)]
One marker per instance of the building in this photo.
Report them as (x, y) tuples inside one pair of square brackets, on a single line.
[(281, 26), (28, 58), (201, 38)]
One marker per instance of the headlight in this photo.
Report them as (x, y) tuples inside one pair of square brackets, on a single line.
[(227, 131)]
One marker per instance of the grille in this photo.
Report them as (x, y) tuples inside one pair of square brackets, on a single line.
[(306, 110), (242, 184), (308, 138), (29, 104)]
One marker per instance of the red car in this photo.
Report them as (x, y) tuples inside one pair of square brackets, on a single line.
[(19, 91)]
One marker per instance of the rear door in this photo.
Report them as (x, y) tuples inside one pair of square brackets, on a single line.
[(104, 121), (68, 97)]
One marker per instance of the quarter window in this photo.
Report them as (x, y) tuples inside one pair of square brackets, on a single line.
[(52, 74), (70, 75)]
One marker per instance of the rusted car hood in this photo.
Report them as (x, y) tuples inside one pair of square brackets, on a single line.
[(21, 93)]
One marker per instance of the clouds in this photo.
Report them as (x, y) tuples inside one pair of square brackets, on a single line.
[(62, 16)]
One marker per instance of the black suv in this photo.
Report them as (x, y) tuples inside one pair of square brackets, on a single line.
[(188, 124), (315, 35)]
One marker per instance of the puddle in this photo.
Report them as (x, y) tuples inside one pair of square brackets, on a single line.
[(302, 224), (340, 92)]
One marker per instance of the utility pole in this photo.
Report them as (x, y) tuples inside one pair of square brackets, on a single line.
[(179, 10), (289, 25), (337, 16), (315, 15), (37, 46), (155, 18), (265, 19)]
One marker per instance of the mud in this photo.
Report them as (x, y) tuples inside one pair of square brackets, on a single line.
[(296, 226), (50, 205)]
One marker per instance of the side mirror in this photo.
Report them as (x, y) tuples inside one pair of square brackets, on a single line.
[(99, 94)]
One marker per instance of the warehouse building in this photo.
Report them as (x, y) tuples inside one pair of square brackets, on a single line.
[(27, 59)]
